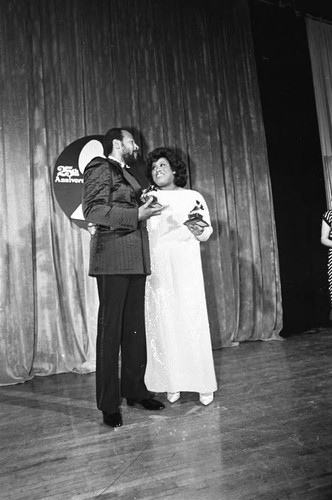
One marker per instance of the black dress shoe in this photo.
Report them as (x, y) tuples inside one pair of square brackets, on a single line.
[(112, 419), (147, 404)]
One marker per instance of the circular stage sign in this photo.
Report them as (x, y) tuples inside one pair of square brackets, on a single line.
[(68, 175)]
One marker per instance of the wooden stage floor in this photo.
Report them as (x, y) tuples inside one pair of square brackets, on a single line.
[(266, 436)]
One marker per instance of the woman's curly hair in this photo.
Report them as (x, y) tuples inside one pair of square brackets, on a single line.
[(178, 166)]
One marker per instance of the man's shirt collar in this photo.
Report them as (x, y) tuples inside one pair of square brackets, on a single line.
[(118, 161)]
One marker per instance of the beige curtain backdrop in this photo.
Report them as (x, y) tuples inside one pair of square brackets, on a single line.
[(180, 74), (320, 45)]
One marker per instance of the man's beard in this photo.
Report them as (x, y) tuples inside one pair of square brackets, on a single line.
[(130, 158)]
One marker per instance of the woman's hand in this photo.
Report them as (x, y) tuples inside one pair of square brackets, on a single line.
[(195, 229), (325, 233)]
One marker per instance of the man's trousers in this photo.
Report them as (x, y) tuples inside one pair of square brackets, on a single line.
[(121, 328)]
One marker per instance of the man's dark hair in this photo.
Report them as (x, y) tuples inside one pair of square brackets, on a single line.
[(109, 137), (178, 166)]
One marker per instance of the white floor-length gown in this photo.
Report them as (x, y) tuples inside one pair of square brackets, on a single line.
[(179, 352)]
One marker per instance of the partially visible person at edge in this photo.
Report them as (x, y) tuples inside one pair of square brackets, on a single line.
[(119, 259), (326, 240), (177, 327)]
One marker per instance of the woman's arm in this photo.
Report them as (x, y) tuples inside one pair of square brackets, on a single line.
[(325, 231)]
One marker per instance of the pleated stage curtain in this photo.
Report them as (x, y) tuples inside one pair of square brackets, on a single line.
[(320, 44), (180, 74)]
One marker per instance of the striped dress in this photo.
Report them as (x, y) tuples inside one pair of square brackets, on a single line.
[(327, 217)]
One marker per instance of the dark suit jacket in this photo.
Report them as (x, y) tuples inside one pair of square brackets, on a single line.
[(111, 200)]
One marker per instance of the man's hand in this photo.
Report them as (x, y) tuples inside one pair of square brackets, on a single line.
[(146, 211), (92, 228)]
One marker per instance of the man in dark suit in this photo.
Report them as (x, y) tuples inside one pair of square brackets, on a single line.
[(119, 259)]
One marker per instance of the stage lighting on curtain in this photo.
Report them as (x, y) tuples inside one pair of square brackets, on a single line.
[(320, 44)]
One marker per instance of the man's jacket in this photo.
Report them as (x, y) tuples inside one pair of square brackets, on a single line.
[(111, 197)]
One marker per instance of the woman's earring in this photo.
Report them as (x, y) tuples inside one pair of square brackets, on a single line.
[(174, 172)]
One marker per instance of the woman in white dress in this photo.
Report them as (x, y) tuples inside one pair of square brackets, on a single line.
[(179, 351)]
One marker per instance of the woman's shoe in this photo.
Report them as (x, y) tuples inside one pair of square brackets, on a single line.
[(173, 396), (206, 399)]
